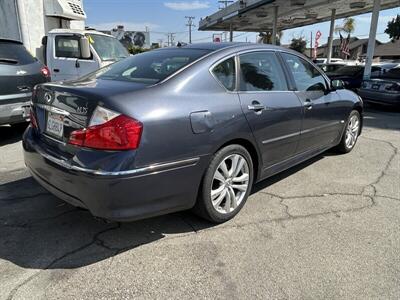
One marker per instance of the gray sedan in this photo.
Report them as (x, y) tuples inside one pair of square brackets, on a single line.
[(182, 128)]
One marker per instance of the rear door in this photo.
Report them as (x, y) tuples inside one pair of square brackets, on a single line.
[(323, 112), (273, 111)]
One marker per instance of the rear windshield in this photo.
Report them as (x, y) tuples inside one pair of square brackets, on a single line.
[(150, 67), (14, 54)]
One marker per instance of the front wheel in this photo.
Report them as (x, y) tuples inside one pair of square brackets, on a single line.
[(351, 133), (226, 184)]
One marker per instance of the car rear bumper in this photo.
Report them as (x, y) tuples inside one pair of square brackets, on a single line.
[(380, 98), (11, 108), (119, 196)]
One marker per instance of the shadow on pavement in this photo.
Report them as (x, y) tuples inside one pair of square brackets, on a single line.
[(381, 117), (39, 231), (11, 134)]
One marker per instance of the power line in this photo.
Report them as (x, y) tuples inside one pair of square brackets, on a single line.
[(190, 25)]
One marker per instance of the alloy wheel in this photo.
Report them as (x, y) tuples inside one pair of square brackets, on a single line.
[(352, 131), (230, 183)]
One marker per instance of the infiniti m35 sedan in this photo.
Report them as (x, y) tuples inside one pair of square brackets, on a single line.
[(192, 127)]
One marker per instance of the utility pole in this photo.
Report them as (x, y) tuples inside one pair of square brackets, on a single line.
[(171, 37), (190, 25), (224, 4)]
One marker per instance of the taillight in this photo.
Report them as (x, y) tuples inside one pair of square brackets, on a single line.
[(108, 131), (45, 72), (32, 118)]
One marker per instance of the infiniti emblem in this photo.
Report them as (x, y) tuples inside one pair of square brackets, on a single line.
[(47, 97)]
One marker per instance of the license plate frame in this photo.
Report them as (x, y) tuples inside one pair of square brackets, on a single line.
[(55, 125)]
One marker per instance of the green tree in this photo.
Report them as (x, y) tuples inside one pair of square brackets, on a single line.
[(348, 26), (136, 50), (298, 44), (393, 28)]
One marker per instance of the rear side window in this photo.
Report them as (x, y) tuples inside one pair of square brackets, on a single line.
[(261, 71), (150, 67), (225, 73), (68, 46), (14, 54)]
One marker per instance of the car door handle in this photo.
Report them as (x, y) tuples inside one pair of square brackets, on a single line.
[(308, 104), (256, 106), (56, 70)]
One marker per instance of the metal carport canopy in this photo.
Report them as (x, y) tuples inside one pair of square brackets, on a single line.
[(257, 15)]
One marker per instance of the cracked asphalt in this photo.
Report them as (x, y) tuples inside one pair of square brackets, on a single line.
[(327, 229)]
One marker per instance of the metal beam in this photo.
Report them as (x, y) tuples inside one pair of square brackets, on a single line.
[(372, 38), (330, 41), (274, 25)]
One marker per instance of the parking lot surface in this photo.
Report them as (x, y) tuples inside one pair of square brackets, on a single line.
[(327, 229)]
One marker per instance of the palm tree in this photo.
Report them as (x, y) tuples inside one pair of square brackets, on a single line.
[(348, 26)]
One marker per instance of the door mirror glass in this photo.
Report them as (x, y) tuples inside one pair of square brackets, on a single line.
[(338, 84), (85, 48)]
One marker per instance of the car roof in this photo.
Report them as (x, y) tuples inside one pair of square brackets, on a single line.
[(232, 46), (10, 41)]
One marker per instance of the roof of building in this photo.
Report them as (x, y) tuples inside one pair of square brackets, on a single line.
[(257, 15), (388, 49)]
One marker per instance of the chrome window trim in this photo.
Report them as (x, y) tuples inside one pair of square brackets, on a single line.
[(15, 96)]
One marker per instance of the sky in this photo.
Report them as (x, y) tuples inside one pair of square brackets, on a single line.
[(164, 16)]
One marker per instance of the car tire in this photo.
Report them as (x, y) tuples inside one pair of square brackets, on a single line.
[(229, 178), (351, 133)]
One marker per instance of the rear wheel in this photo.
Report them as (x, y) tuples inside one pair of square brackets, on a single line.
[(226, 184), (351, 133)]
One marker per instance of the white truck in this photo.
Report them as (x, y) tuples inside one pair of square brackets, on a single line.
[(54, 32)]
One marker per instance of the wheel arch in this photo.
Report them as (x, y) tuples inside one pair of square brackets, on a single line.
[(251, 148)]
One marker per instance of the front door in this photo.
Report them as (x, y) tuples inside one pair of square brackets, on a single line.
[(64, 59), (272, 110), (322, 123)]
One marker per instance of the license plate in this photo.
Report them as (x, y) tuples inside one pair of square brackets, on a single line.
[(55, 125), (375, 86)]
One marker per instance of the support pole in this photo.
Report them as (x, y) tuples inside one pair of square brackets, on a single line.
[(330, 41), (274, 25), (230, 33), (372, 39)]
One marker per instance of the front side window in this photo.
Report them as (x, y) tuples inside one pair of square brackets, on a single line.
[(225, 73), (306, 76), (68, 46), (261, 71), (149, 67)]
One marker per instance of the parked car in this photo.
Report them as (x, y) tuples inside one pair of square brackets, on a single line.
[(332, 67), (19, 73), (135, 140), (352, 75), (384, 90), (324, 60)]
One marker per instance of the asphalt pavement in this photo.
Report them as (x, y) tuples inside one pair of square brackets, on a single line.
[(327, 229)]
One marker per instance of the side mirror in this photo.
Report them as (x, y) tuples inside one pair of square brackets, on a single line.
[(338, 84), (85, 48)]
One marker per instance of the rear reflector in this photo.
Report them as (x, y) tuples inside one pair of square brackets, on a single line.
[(45, 72), (119, 133)]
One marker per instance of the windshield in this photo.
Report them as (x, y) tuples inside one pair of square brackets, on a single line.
[(150, 67), (107, 47)]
